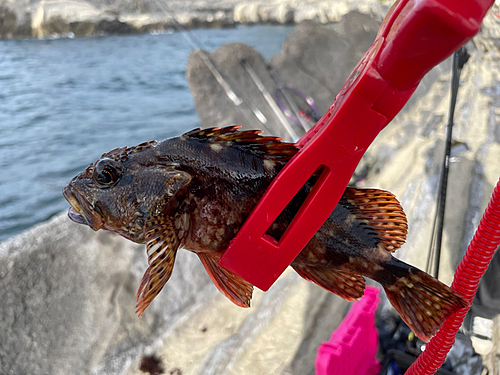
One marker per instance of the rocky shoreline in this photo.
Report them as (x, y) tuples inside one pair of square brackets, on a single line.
[(70, 18)]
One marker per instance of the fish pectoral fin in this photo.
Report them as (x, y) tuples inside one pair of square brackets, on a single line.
[(423, 302), (348, 285), (232, 286), (382, 212), (162, 245)]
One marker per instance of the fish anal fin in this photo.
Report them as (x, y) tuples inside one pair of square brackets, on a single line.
[(423, 302), (232, 286), (162, 245), (382, 212), (348, 285)]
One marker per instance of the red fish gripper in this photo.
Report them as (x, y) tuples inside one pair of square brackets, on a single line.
[(415, 36)]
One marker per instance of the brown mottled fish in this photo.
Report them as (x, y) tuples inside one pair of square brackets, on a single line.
[(195, 191)]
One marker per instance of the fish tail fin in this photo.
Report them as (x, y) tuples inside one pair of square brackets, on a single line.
[(423, 302)]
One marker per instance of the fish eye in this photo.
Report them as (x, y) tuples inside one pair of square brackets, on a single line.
[(105, 177), (107, 172)]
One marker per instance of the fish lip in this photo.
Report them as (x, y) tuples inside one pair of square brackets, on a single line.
[(76, 217), (78, 211)]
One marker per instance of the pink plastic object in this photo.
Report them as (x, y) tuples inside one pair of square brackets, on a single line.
[(414, 37), (352, 347), (473, 265)]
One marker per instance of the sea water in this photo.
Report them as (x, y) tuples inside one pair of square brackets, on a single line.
[(64, 102)]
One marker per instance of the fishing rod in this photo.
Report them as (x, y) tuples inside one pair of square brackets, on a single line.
[(290, 102), (309, 116), (433, 259), (236, 98), (260, 85)]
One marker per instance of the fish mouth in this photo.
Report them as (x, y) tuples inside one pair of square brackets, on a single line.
[(76, 217), (78, 212)]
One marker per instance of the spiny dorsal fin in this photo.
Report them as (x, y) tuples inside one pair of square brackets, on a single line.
[(382, 212), (232, 286), (247, 140), (206, 134), (122, 153)]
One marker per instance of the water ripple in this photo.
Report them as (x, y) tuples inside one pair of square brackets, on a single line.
[(64, 102)]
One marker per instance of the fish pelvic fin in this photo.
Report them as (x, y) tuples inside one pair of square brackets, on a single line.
[(423, 302), (233, 287), (382, 212), (348, 285), (162, 245)]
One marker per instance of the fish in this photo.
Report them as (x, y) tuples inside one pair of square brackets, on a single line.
[(196, 190)]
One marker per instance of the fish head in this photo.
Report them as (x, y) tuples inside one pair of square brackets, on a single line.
[(122, 189)]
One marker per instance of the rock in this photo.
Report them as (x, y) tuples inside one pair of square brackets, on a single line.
[(247, 13), (114, 27), (43, 19), (82, 28), (306, 61), (326, 12), (209, 95), (56, 25), (68, 297), (8, 21), (323, 74), (281, 14)]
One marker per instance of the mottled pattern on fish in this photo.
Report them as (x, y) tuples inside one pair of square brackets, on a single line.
[(195, 191)]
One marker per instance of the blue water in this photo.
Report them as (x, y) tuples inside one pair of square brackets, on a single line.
[(65, 102)]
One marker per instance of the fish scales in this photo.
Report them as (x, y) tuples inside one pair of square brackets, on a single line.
[(196, 190)]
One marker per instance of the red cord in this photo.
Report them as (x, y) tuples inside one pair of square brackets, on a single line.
[(467, 275)]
